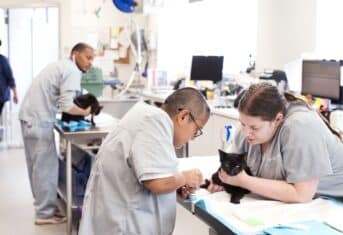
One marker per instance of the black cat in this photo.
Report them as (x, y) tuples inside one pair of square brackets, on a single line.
[(84, 101), (232, 164)]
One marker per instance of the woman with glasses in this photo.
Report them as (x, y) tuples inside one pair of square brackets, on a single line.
[(293, 154), (133, 181)]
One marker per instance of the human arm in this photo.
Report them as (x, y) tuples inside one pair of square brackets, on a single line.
[(67, 105), (9, 78), (280, 190), (69, 88), (191, 178), (76, 110), (15, 97), (153, 156)]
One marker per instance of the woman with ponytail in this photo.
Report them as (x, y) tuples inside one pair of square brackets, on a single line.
[(293, 153)]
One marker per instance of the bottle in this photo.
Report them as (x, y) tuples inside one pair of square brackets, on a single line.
[(217, 98), (226, 137)]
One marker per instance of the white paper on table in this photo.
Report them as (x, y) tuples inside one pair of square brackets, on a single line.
[(253, 215), (104, 119)]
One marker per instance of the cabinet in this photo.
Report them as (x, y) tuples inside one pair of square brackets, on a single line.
[(210, 141)]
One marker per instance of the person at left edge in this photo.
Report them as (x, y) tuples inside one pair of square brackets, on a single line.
[(54, 88), (7, 82)]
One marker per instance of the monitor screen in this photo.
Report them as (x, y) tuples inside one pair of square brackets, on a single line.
[(321, 78), (207, 68)]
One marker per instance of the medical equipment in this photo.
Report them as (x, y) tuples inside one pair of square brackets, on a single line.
[(135, 40)]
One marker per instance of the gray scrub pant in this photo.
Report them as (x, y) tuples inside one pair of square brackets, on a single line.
[(42, 166)]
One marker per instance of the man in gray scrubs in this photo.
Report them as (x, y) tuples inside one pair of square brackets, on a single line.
[(54, 88), (132, 185)]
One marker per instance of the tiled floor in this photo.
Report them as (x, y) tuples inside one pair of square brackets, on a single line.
[(16, 203)]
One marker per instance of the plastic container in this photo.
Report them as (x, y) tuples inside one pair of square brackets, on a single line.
[(92, 81)]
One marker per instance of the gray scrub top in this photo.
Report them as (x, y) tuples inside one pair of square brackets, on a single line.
[(116, 201), (54, 87), (303, 148)]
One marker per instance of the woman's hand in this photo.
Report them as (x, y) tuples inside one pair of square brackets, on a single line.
[(212, 187), (236, 180)]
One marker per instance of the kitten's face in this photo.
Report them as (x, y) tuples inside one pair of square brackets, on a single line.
[(232, 163)]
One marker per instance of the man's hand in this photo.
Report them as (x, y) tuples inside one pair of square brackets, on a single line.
[(185, 191), (193, 178)]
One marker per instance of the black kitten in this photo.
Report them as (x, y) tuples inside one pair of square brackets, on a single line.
[(232, 164), (84, 101)]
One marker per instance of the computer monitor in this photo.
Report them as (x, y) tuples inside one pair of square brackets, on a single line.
[(322, 79), (207, 68)]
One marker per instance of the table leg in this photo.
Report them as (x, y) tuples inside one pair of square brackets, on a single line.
[(69, 188)]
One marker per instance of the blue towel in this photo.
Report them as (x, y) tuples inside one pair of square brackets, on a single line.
[(74, 125)]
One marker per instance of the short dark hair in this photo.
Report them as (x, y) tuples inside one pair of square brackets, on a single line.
[(187, 98), (79, 47)]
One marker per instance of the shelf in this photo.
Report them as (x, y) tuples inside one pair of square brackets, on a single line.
[(77, 201)]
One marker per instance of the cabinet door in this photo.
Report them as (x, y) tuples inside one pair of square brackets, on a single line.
[(219, 123), (203, 145), (209, 143)]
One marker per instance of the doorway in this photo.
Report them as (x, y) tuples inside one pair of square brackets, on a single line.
[(30, 41)]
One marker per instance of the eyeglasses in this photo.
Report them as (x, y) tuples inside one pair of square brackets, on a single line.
[(199, 130)]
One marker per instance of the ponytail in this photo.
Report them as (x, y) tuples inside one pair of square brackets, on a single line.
[(295, 100)]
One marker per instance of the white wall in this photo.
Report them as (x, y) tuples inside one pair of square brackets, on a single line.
[(286, 29)]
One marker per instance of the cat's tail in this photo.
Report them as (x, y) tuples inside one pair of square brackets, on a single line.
[(206, 184)]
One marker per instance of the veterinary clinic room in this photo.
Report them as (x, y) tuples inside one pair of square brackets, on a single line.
[(171, 117)]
